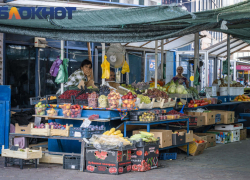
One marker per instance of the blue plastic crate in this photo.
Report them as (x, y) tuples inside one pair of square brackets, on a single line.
[(167, 156), (84, 133)]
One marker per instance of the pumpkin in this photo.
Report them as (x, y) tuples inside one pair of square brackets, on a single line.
[(139, 153)]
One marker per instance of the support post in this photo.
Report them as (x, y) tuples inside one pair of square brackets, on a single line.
[(90, 58), (62, 57), (228, 64), (215, 68), (103, 54), (162, 58), (196, 54), (156, 62)]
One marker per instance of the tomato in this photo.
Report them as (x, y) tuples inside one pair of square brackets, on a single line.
[(192, 106), (157, 151), (134, 167), (139, 153), (198, 104), (90, 168), (192, 102), (202, 101)]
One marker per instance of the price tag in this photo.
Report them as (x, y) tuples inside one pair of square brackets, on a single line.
[(37, 121), (77, 134), (86, 123), (14, 148)]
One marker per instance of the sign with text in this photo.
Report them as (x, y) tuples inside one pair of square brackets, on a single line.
[(242, 67), (151, 65)]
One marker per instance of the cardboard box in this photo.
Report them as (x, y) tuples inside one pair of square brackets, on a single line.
[(189, 135), (209, 116), (153, 161), (195, 148), (108, 168), (109, 156), (210, 138), (235, 135), (145, 152), (196, 121), (229, 127), (243, 134), (22, 129), (227, 117), (221, 137), (164, 135)]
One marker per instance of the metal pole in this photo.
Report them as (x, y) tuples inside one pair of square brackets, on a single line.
[(156, 62), (228, 64), (39, 77), (215, 68), (162, 59), (196, 53), (62, 57), (103, 54)]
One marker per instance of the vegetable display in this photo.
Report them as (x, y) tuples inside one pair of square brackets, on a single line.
[(40, 109), (145, 136)]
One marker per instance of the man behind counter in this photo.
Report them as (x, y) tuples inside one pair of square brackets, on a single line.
[(112, 76)]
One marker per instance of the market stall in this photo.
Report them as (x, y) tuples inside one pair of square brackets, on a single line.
[(92, 115)]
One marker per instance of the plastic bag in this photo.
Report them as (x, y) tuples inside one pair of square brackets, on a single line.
[(104, 142), (62, 75), (196, 77), (125, 68), (55, 67), (105, 68)]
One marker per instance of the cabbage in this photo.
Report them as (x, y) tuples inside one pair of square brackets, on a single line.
[(180, 89), (172, 89), (185, 92)]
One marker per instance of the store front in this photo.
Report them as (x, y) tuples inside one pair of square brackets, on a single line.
[(243, 72)]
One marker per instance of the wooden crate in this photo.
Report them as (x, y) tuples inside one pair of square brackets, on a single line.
[(22, 129), (35, 154), (51, 159), (60, 132), (40, 132), (157, 104), (169, 103)]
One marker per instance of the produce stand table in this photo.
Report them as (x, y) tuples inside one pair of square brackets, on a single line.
[(148, 124), (82, 164)]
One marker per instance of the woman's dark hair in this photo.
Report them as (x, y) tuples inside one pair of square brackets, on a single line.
[(86, 62)]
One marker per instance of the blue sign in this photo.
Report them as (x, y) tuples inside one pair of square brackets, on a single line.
[(151, 65)]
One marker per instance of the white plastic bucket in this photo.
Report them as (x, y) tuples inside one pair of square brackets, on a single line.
[(223, 91)]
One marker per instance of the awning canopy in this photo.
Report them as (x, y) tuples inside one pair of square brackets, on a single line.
[(168, 44), (140, 24), (220, 49)]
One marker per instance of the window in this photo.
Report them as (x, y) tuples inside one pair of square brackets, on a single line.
[(20, 74)]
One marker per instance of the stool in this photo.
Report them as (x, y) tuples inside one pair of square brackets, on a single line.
[(20, 162)]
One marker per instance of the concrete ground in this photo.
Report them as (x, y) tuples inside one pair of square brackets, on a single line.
[(223, 162)]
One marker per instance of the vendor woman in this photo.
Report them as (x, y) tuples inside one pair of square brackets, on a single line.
[(180, 78), (81, 75)]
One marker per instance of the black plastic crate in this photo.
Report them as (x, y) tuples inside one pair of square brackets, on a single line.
[(142, 143), (20, 162), (136, 113), (178, 139), (71, 162), (54, 101), (36, 100), (83, 102), (62, 101), (134, 118), (83, 132)]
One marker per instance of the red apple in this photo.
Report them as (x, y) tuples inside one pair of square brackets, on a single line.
[(130, 97), (129, 93)]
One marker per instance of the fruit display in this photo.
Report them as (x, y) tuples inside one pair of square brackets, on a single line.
[(109, 140), (128, 100), (93, 99), (174, 112), (144, 99), (67, 94), (75, 111), (83, 96), (54, 124), (242, 98), (113, 132), (52, 112), (52, 98), (144, 136), (104, 90), (140, 85), (40, 109), (42, 99), (199, 142), (129, 87), (156, 93), (197, 103), (103, 101), (66, 110), (147, 116), (113, 99)]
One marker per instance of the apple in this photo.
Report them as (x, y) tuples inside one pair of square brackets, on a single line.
[(130, 97)]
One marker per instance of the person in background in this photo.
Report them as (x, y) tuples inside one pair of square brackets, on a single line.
[(82, 74), (180, 78), (112, 75)]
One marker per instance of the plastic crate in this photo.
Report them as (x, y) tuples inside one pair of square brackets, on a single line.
[(83, 102), (54, 101), (247, 110), (83, 132), (142, 143), (36, 100), (62, 101), (168, 156), (71, 162)]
